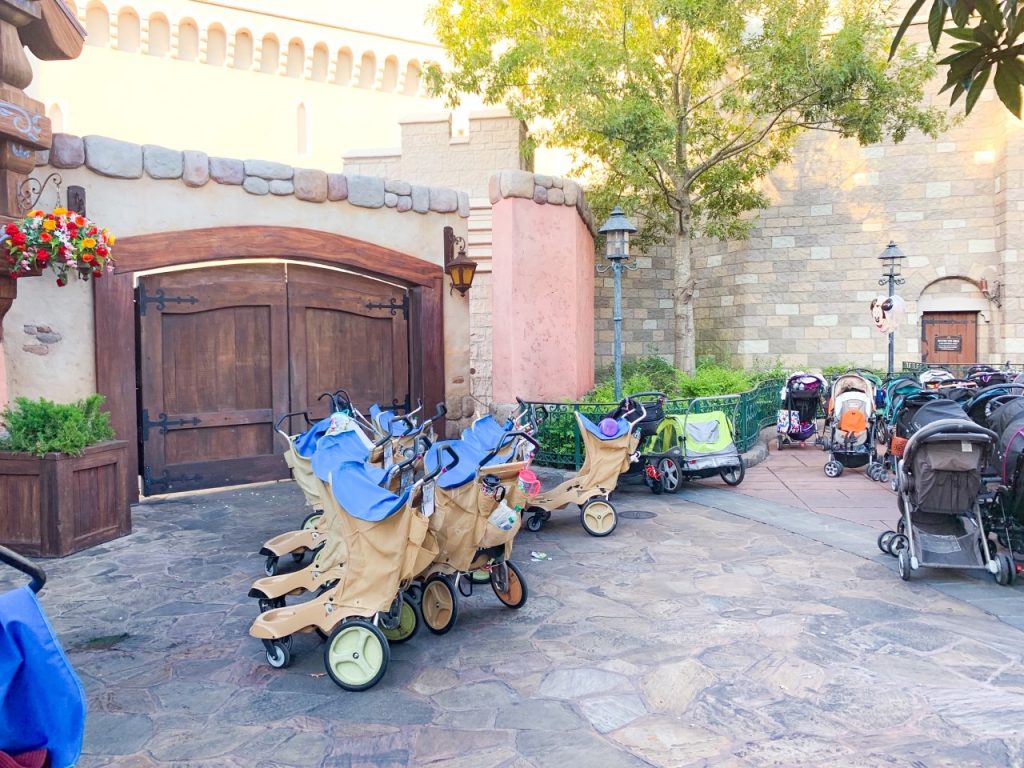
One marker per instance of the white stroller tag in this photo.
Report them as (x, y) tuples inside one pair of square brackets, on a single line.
[(389, 458), (966, 447), (427, 503)]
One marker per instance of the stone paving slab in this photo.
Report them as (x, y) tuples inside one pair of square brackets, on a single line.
[(725, 631)]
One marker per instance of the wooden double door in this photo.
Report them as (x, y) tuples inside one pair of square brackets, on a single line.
[(225, 351), (949, 338)]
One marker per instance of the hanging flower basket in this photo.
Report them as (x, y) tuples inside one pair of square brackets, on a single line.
[(64, 241)]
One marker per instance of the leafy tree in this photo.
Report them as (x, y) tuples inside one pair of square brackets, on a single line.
[(987, 32), (679, 108)]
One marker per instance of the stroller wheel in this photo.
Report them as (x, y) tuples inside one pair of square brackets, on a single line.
[(356, 655), (894, 484), (513, 592), (269, 604), (833, 469), (270, 566), (1007, 570), (440, 604), (897, 544), (298, 557), (405, 625), (534, 523), (883, 541), (881, 475), (671, 477), (779, 441), (734, 475), (598, 517), (311, 520), (279, 654), (903, 564)]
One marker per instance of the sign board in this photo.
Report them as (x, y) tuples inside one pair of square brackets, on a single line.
[(949, 343)]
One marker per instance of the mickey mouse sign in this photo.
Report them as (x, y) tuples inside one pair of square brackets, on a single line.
[(887, 313)]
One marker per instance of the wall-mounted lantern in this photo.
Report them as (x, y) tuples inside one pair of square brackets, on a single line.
[(457, 265)]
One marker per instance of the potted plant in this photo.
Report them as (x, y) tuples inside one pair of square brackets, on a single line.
[(63, 477), (66, 242)]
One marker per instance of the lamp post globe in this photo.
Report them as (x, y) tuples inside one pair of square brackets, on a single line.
[(617, 230)]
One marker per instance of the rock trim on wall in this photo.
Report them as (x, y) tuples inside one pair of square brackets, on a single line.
[(124, 160), (542, 189)]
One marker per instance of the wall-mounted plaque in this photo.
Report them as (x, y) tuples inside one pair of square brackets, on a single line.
[(949, 343)]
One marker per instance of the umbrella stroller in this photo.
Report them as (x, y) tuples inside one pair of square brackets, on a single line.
[(940, 481), (387, 542), (801, 400), (42, 704), (695, 445), (609, 452), (850, 424), (476, 518)]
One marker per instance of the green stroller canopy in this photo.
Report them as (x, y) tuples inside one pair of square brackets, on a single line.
[(706, 434)]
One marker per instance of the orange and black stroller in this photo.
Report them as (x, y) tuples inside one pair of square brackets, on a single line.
[(850, 427)]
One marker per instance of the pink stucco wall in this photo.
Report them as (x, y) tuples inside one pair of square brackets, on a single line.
[(543, 284)]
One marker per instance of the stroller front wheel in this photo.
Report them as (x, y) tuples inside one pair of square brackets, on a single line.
[(513, 592), (270, 565), (278, 654), (534, 523), (404, 626), (883, 541), (734, 475), (833, 469), (440, 604), (356, 655), (903, 564), (598, 517)]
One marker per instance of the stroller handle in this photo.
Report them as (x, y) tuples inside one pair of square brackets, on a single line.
[(635, 395), (446, 468), (440, 413), (303, 414), (396, 469), (504, 441), (643, 414), (30, 569), (335, 405)]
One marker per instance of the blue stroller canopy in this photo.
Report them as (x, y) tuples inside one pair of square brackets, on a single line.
[(334, 450), (305, 444), (42, 704), (592, 428), (484, 433), (360, 496)]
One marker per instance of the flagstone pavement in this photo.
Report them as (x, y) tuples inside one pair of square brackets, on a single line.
[(751, 627)]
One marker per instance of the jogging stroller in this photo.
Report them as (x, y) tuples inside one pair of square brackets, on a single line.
[(609, 452), (693, 446), (477, 514), (934, 378), (42, 704), (387, 542), (801, 399), (850, 425), (940, 482), (1007, 421)]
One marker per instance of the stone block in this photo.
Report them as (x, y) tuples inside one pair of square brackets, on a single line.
[(391, 200), (570, 191), (337, 186), (981, 246), (540, 195), (421, 198), (821, 210), (787, 309), (225, 170), (516, 184), (269, 170), (404, 203), (783, 242), (36, 349), (310, 185), (556, 196), (162, 163), (112, 157), (494, 188), (67, 151), (281, 187), (398, 187), (366, 191), (464, 206), (42, 157), (865, 179), (443, 200), (543, 181), (195, 171), (937, 189), (826, 320), (254, 185), (48, 338)]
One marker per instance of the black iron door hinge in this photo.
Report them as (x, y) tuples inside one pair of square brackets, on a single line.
[(164, 483), (391, 305), (161, 300), (163, 423)]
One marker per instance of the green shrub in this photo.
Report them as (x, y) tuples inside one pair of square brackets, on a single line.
[(831, 371), (41, 426)]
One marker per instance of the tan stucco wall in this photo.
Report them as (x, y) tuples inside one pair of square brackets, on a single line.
[(143, 206)]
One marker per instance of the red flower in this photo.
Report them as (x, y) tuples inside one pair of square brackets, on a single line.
[(97, 274), (102, 251), (13, 275), (93, 230), (11, 229), (60, 282), (18, 238), (87, 258)]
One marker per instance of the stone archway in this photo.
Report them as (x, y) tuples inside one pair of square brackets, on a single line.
[(956, 321), (115, 316)]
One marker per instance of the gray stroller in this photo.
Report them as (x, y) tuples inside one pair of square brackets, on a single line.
[(939, 481)]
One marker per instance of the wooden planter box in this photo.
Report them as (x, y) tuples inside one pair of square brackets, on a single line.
[(60, 504)]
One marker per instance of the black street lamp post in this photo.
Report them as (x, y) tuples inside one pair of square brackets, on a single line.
[(617, 229), (891, 259)]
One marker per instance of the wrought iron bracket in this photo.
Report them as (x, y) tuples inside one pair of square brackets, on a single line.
[(152, 484), (161, 300), (30, 190), (621, 265), (895, 280), (163, 423), (391, 305)]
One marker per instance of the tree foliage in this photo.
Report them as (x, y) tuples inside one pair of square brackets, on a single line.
[(986, 34), (677, 109)]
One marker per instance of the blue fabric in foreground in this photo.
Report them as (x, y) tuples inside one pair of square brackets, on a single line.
[(42, 703), (595, 430), (334, 450), (484, 433), (305, 444), (360, 496), (470, 457)]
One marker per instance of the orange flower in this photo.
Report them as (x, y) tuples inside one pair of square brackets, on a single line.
[(45, 237), (79, 221), (88, 257), (36, 214), (49, 225), (89, 242)]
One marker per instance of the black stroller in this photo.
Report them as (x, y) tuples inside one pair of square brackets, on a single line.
[(42, 704), (802, 397)]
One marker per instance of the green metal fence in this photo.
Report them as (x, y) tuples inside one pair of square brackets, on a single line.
[(959, 371), (749, 412)]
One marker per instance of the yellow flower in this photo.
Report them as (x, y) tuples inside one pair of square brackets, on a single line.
[(60, 211), (111, 239), (49, 225), (88, 242)]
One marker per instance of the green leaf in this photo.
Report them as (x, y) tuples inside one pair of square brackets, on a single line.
[(961, 13), (936, 19), (958, 91), (977, 86), (1015, 28), (965, 46), (960, 34), (905, 25), (1008, 88), (990, 12)]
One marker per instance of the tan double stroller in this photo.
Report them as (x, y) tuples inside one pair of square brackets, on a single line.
[(477, 514), (363, 603), (611, 447)]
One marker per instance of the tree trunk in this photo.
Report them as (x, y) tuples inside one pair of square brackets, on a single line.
[(685, 342)]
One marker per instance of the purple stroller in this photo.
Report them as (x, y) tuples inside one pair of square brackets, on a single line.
[(801, 399)]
